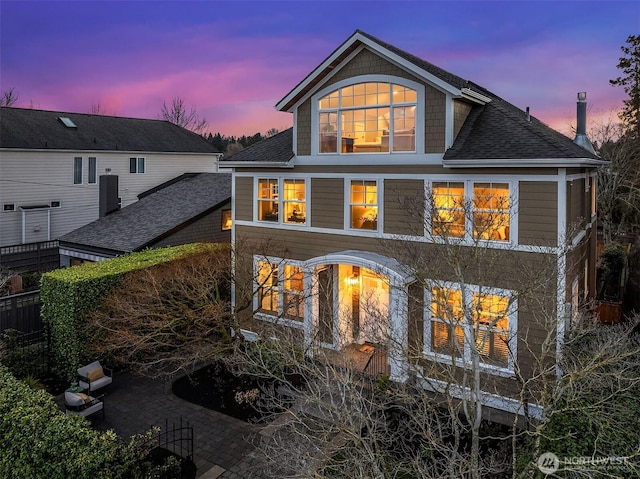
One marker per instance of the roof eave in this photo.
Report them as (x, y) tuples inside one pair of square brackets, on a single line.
[(523, 163), (254, 164)]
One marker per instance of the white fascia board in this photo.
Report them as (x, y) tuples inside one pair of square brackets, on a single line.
[(257, 164), (113, 152), (474, 96), (435, 81), (522, 163)]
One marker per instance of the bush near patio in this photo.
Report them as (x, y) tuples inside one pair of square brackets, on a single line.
[(68, 295), (37, 440)]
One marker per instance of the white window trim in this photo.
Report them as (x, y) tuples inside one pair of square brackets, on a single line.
[(138, 158), (279, 317), (468, 238), (420, 112), (464, 362), (281, 221), (347, 205), (81, 170), (95, 181)]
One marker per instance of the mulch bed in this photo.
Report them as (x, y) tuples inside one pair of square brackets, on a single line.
[(216, 388)]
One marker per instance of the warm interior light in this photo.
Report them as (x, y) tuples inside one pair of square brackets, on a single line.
[(352, 280)]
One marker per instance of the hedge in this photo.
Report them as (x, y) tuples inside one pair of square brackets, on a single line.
[(37, 440), (68, 294)]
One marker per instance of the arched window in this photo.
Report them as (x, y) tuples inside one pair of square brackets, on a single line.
[(368, 117)]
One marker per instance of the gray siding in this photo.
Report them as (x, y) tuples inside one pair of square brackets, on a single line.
[(327, 203), (538, 213), (244, 198)]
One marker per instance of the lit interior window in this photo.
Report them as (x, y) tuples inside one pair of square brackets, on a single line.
[(491, 218), (364, 204), (368, 118), (294, 204), (448, 209), (268, 200), (267, 287)]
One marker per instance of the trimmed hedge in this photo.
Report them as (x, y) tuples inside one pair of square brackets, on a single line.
[(37, 440), (68, 294)]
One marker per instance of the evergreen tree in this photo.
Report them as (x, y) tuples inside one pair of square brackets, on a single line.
[(630, 66)]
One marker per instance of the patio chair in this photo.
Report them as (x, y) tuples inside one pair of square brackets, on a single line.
[(94, 376), (82, 405)]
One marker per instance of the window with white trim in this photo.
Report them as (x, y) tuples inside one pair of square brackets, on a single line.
[(93, 169), (483, 320), (282, 200), (77, 170), (267, 291), (368, 117), (448, 209), (491, 211), (136, 165), (279, 290), (363, 204)]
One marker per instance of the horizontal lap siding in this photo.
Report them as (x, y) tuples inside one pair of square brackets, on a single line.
[(538, 213), (327, 203), (403, 207), (244, 198)]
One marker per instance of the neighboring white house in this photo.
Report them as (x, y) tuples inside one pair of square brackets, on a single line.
[(50, 163)]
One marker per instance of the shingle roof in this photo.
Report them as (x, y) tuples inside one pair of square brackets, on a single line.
[(499, 130), (40, 129), (276, 149), (147, 220)]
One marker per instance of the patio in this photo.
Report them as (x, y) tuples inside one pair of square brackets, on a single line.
[(222, 445)]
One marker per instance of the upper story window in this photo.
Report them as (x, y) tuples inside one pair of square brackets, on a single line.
[(363, 204), (468, 209), (292, 202), (491, 218), (368, 117), (136, 165), (93, 169), (77, 170), (448, 209)]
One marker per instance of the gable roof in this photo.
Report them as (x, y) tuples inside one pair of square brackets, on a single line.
[(277, 149), (23, 128), (494, 129), (153, 216)]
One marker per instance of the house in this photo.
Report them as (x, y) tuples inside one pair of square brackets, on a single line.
[(391, 167), (192, 208), (50, 162)]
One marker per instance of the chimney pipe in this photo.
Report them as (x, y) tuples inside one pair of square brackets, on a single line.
[(581, 126)]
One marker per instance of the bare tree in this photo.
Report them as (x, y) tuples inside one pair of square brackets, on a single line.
[(271, 132), (178, 113), (168, 317), (619, 180), (9, 97)]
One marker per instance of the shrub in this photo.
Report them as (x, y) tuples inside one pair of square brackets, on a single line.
[(67, 295), (37, 440)]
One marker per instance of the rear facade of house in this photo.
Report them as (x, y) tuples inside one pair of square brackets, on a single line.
[(347, 225)]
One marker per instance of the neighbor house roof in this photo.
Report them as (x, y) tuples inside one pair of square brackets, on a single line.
[(155, 215), (276, 149), (22, 128)]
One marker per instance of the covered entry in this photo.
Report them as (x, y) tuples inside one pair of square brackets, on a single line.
[(358, 303)]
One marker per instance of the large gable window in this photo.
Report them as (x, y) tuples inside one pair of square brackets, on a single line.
[(368, 117)]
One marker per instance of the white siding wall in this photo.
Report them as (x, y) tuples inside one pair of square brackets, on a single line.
[(29, 178)]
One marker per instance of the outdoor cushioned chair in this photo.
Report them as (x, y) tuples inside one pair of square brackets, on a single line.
[(93, 376), (82, 405)]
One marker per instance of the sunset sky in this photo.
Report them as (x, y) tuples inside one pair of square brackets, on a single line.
[(233, 61)]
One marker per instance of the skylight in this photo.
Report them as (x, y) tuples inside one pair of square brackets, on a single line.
[(67, 122)]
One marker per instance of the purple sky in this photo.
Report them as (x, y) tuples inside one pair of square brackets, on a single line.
[(233, 61)]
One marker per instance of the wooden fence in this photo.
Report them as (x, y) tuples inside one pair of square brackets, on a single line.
[(21, 312), (30, 257)]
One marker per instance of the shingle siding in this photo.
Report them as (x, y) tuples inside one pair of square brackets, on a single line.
[(538, 213)]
